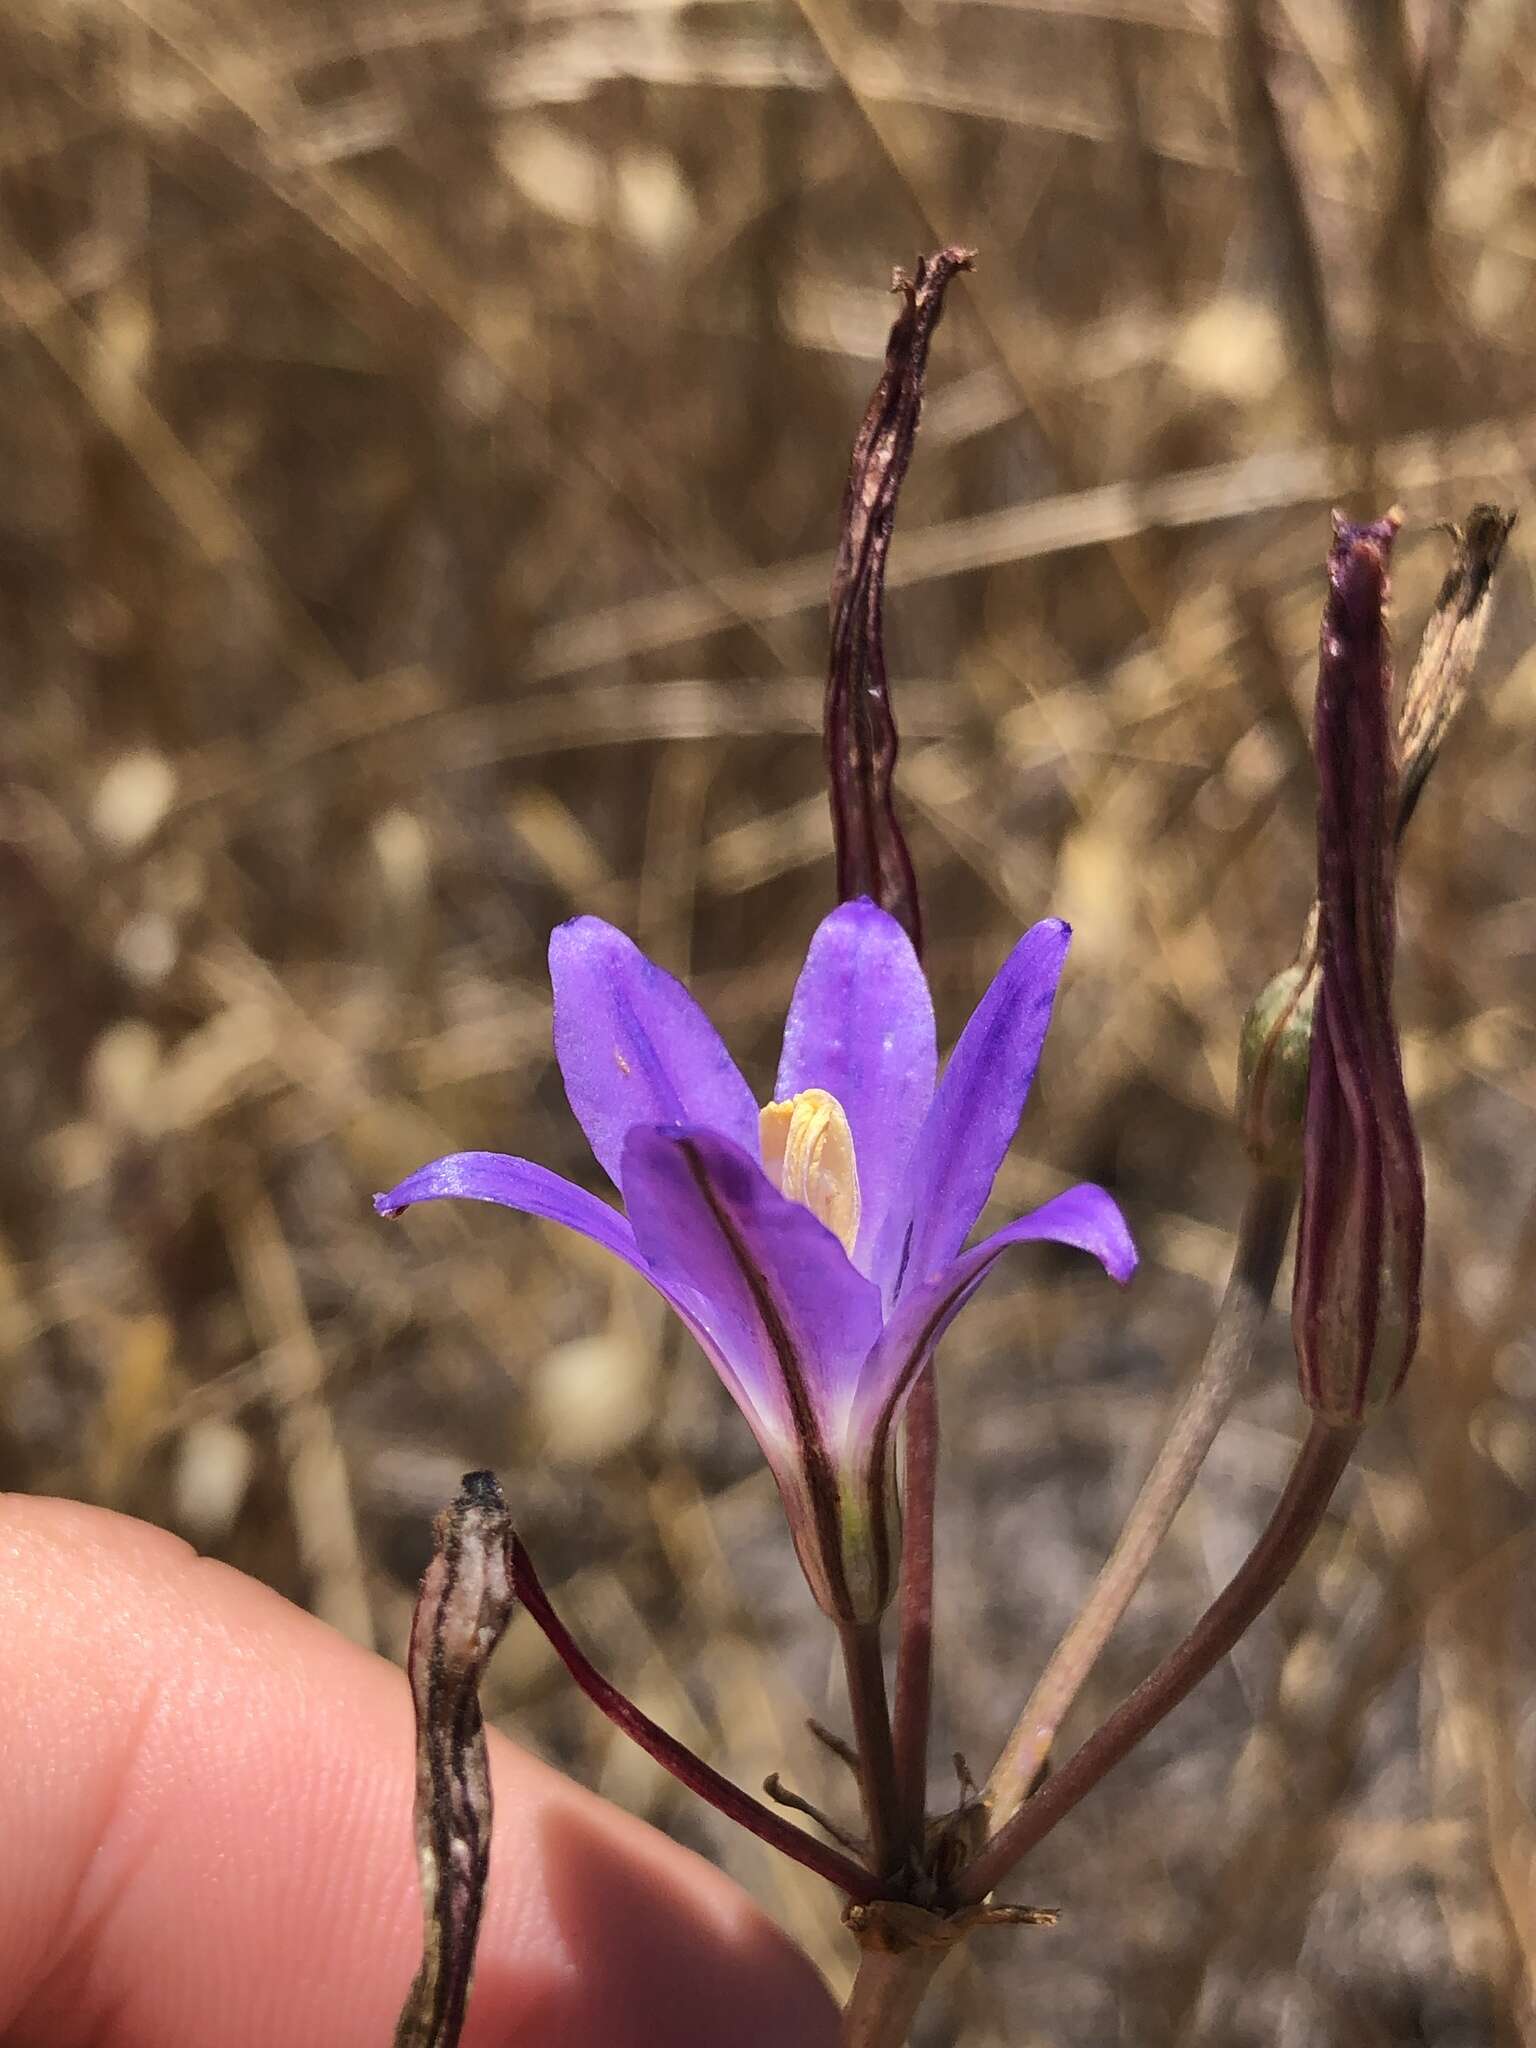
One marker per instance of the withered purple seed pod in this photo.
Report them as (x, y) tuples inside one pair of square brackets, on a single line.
[(1360, 1239)]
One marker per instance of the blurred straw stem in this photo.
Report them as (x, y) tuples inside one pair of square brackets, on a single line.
[(1422, 465), (319, 1490)]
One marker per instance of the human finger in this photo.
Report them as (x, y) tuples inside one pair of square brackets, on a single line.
[(205, 1812)]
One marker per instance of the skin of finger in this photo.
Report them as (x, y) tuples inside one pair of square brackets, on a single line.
[(205, 1806)]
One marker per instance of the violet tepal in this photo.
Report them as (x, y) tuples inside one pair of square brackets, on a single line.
[(815, 1248)]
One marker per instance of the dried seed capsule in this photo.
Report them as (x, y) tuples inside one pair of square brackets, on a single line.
[(1360, 1239)]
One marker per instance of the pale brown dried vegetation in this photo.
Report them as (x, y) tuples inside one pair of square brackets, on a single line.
[(422, 433)]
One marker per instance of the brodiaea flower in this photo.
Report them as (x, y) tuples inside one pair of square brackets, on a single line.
[(814, 1248)]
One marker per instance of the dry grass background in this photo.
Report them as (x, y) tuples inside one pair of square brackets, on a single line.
[(423, 428)]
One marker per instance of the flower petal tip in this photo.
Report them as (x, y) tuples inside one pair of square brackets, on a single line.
[(1089, 1217), (1118, 1254), (863, 915), (387, 1206), (574, 924), (574, 932), (862, 910)]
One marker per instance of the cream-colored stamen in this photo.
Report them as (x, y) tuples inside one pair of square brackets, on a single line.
[(808, 1155)]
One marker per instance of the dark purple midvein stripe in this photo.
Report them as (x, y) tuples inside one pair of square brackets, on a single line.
[(1365, 1191), (1368, 773), (821, 1484), (1322, 1197), (906, 1254)]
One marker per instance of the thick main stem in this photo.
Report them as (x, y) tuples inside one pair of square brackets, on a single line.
[(675, 1756), (914, 1642), (1319, 1466), (1261, 1236), (886, 1995), (872, 1740)]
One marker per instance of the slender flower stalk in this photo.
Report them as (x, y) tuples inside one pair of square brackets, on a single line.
[(1261, 1239), (865, 1671), (914, 1656), (676, 1757), (1320, 1464)]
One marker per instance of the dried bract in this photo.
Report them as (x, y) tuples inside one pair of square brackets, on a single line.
[(465, 1603), (1437, 689)]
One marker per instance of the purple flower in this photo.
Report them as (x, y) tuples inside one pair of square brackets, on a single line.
[(814, 1248)]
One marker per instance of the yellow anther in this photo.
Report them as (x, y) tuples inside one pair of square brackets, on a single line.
[(808, 1155)]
